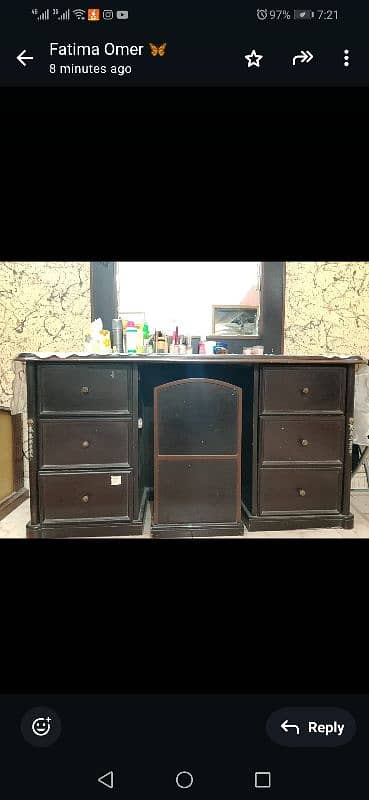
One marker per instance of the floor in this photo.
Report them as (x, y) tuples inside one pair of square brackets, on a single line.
[(14, 525)]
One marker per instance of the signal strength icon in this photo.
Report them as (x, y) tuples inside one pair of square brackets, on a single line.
[(41, 16), (65, 15), (79, 13)]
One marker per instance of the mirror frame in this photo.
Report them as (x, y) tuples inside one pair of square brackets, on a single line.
[(104, 301)]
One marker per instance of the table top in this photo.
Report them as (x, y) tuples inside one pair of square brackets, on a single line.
[(170, 358)]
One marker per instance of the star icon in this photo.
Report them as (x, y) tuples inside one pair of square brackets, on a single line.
[(253, 60)]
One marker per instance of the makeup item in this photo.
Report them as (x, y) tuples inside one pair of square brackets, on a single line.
[(201, 348), (221, 348), (131, 337), (253, 351), (161, 343), (105, 343), (139, 339), (117, 335), (195, 340)]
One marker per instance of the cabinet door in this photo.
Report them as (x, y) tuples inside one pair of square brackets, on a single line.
[(197, 490), (198, 416)]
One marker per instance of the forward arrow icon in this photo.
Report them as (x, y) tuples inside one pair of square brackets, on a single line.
[(305, 56)]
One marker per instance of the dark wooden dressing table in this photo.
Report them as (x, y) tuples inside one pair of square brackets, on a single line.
[(215, 440)]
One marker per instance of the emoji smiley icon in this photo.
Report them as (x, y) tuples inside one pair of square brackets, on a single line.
[(41, 726)]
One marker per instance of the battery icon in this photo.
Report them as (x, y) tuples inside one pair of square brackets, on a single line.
[(303, 13)]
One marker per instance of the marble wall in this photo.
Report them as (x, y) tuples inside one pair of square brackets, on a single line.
[(43, 306), (327, 308)]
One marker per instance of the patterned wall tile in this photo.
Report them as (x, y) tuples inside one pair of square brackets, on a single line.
[(327, 308), (43, 306)]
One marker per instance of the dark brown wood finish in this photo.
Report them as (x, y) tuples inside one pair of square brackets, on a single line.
[(85, 389), (254, 439), (85, 496), (296, 390), (18, 466), (134, 447), (301, 438), (197, 453), (198, 416), (276, 464), (84, 443), (291, 490), (197, 491), (33, 437), (346, 486), (218, 359)]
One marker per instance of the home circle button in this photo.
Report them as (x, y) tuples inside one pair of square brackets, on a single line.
[(184, 780)]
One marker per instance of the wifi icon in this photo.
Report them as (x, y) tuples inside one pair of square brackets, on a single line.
[(79, 13)]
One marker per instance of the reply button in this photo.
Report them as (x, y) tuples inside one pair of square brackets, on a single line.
[(311, 727)]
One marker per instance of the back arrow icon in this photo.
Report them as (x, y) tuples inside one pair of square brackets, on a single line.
[(285, 727), (305, 57), (22, 58), (107, 780)]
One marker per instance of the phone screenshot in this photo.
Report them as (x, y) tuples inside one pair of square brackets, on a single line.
[(185, 746), (216, 411), (142, 43)]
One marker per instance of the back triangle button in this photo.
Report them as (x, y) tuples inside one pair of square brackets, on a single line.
[(107, 780)]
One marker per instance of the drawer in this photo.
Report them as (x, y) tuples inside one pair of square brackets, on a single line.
[(303, 389), (85, 495), (84, 388), (301, 438), (291, 491), (197, 490), (85, 442)]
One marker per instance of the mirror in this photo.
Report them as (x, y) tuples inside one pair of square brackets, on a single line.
[(205, 299)]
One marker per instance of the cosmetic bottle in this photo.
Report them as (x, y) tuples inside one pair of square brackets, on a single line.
[(140, 339), (131, 337), (117, 335), (161, 344)]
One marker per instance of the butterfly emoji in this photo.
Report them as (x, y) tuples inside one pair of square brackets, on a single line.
[(157, 50)]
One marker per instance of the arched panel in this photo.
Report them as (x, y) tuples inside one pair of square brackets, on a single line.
[(197, 416), (197, 464)]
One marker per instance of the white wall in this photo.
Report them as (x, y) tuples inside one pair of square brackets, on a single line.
[(182, 293)]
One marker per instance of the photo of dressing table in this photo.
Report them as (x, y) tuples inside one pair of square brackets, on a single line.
[(215, 441)]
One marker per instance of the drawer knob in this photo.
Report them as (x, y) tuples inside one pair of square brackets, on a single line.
[(302, 492), (85, 443), (84, 390), (85, 498), (304, 442), (305, 390)]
